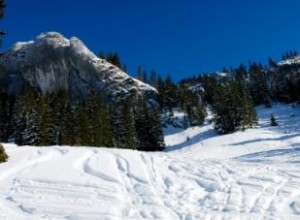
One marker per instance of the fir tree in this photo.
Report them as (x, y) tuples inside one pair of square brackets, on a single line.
[(68, 129), (59, 114), (100, 130), (25, 118), (107, 128), (232, 108), (148, 127), (82, 126), (5, 116), (46, 122), (259, 85), (140, 74), (153, 79), (129, 136), (32, 134)]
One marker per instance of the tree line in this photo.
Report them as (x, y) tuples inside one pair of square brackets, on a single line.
[(231, 97), (30, 118)]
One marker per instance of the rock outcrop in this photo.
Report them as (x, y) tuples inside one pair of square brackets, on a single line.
[(51, 62)]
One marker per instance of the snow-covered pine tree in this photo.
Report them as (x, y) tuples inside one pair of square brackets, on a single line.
[(25, 117), (18, 121), (32, 133)]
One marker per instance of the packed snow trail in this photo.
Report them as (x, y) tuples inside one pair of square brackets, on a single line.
[(246, 175)]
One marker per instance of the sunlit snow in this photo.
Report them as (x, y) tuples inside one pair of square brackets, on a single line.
[(246, 175)]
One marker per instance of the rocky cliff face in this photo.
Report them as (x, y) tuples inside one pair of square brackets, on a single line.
[(51, 62)]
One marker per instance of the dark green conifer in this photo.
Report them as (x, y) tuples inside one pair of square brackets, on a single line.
[(148, 127)]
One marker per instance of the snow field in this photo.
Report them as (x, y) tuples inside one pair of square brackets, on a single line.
[(245, 175)]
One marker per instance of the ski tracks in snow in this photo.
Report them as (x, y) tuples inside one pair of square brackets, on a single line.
[(90, 183)]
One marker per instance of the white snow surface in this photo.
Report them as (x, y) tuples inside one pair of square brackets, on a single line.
[(246, 175), (295, 60)]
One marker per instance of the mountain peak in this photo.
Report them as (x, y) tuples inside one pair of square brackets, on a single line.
[(51, 62)]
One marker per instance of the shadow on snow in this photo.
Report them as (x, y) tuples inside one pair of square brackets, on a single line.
[(192, 140)]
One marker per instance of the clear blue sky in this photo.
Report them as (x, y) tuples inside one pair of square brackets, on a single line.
[(175, 37)]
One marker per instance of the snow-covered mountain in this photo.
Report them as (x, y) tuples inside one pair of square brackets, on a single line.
[(246, 175), (51, 62)]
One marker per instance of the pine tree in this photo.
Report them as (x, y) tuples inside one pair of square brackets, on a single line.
[(107, 128), (155, 133), (116, 125), (129, 136), (145, 77), (210, 86), (68, 128), (32, 133), (5, 116), (153, 79), (94, 121), (192, 106), (123, 124), (82, 126), (25, 117), (101, 55), (232, 108), (100, 130), (19, 122), (260, 90), (58, 111), (45, 120), (115, 60), (139, 74), (148, 127)]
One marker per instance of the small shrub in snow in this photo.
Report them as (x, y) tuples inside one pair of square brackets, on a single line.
[(3, 155)]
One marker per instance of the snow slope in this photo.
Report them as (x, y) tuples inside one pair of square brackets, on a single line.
[(246, 175), (292, 61)]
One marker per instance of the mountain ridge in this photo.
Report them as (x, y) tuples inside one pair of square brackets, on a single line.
[(52, 62)]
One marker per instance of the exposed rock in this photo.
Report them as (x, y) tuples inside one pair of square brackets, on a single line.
[(51, 62)]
